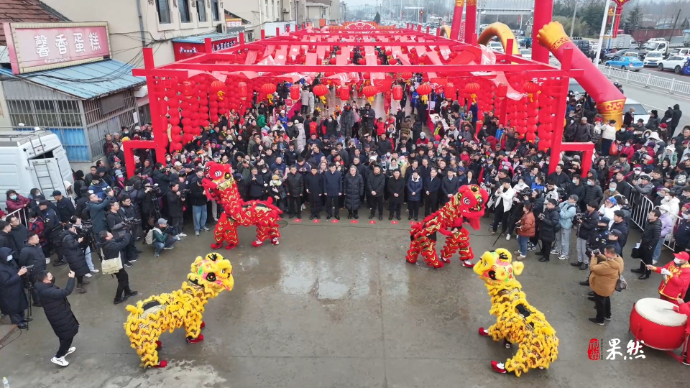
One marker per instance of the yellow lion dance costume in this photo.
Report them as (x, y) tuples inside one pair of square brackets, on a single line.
[(517, 321), (152, 317)]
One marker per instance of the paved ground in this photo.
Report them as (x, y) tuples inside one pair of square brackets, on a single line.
[(336, 306)]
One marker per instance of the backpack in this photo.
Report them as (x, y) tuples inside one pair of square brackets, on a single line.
[(149, 237)]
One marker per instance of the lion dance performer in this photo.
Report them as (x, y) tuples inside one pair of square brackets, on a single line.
[(220, 185), (517, 322), (183, 308), (467, 204)]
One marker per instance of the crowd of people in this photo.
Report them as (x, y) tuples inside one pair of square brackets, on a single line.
[(332, 158)]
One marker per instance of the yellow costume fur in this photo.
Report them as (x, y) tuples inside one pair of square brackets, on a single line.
[(517, 321), (182, 308)]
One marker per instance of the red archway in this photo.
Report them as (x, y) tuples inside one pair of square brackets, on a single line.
[(192, 93)]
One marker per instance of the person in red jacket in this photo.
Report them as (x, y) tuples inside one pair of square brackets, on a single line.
[(380, 127), (15, 201), (684, 308), (676, 277)]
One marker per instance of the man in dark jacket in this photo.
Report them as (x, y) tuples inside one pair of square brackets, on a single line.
[(559, 178), (74, 255), (294, 188), (96, 209), (593, 192), (449, 186), (396, 195), (12, 297), (353, 187), (376, 185), (176, 207), (620, 224), (6, 240), (199, 201), (53, 230), (332, 189), (576, 188), (112, 248), (58, 312), (368, 117), (161, 177), (622, 186), (550, 225), (588, 225), (650, 238), (256, 185), (431, 192), (32, 257), (64, 205), (676, 114), (19, 232), (314, 187)]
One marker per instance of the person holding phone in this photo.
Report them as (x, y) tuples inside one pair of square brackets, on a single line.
[(59, 313)]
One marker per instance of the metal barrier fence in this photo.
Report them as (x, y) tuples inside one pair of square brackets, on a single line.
[(640, 206), (647, 80), (22, 214)]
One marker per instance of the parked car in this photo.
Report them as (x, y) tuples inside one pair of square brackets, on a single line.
[(583, 45), (681, 52), (653, 59), (674, 63), (525, 53), (640, 110), (615, 55), (496, 47), (626, 63)]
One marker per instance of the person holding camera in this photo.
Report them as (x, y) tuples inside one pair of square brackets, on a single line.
[(118, 226), (606, 268), (33, 258), (526, 228), (59, 313), (588, 223), (112, 249), (568, 210), (12, 297), (74, 255), (161, 238), (502, 201), (176, 208), (85, 231), (96, 209), (550, 225)]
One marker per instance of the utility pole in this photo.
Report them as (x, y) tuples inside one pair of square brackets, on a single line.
[(601, 33), (572, 25), (675, 22)]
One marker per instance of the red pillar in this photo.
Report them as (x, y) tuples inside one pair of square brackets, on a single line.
[(471, 22), (543, 13), (457, 19), (617, 23)]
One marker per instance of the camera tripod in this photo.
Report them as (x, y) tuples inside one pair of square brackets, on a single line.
[(29, 290)]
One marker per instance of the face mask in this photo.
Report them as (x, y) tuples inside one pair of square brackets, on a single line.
[(590, 183), (9, 257), (574, 181), (637, 172), (677, 261), (13, 197), (602, 227), (612, 188), (659, 193), (686, 216)]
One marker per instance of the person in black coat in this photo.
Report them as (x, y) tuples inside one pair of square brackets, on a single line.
[(620, 224), (650, 238), (332, 189), (6, 240), (314, 187), (64, 205), (96, 209), (112, 248), (353, 187), (294, 188), (256, 185), (58, 312), (396, 195), (577, 188), (19, 232), (550, 224), (176, 207), (588, 225), (449, 186), (431, 192), (12, 297), (32, 256), (162, 178), (74, 255), (376, 186), (53, 230)]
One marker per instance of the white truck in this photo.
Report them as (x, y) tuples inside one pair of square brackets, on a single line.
[(32, 159), (622, 41), (657, 45)]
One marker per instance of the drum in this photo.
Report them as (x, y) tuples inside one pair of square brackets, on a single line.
[(654, 322)]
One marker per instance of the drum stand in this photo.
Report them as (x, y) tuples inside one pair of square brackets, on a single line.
[(684, 357)]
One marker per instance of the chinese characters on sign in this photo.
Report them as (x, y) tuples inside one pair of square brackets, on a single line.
[(35, 47), (223, 45), (614, 351)]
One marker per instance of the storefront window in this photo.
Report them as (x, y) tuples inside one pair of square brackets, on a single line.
[(45, 113), (183, 5), (163, 8), (201, 10), (215, 10)]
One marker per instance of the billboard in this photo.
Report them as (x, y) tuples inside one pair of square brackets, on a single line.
[(45, 46)]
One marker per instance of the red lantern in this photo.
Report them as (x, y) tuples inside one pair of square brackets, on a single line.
[(320, 90), (472, 87), (451, 91), (369, 91), (175, 120), (216, 86), (397, 92), (424, 89), (242, 90), (268, 89), (501, 90), (295, 92), (362, 61), (344, 93), (530, 87)]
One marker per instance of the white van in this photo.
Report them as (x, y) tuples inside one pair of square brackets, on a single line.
[(32, 160)]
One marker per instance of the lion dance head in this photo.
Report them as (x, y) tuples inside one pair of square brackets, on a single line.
[(470, 200), (219, 174), (496, 268), (212, 272)]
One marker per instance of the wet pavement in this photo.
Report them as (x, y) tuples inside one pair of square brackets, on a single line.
[(338, 306)]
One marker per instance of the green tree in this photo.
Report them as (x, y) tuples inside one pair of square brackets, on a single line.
[(634, 19), (591, 16), (686, 24)]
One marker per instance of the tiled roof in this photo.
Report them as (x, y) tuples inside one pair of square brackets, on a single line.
[(26, 11)]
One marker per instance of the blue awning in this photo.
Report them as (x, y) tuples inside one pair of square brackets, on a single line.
[(233, 32), (88, 81)]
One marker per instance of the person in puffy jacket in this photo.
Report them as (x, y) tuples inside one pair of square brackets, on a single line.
[(332, 189), (376, 184), (526, 228), (606, 268), (415, 186), (353, 187), (396, 194), (58, 312), (550, 224), (75, 257), (567, 212), (588, 225), (667, 223), (431, 192), (15, 201)]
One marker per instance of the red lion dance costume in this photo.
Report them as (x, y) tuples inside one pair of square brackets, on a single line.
[(221, 187), (467, 204)]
